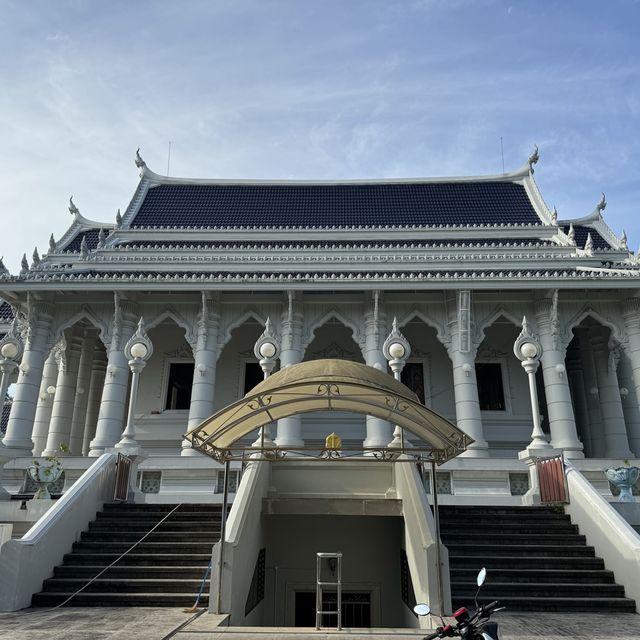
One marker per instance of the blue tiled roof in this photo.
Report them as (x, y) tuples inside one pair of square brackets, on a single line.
[(581, 234), (92, 240), (339, 205), (303, 244), (6, 312)]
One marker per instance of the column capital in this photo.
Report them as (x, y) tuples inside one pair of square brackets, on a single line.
[(631, 311)]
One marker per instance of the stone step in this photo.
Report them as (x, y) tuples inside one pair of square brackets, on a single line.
[(155, 536), (499, 590), (519, 550), (168, 525), (469, 519), (450, 538), (124, 585), (139, 559), (539, 576), (143, 547), (500, 509), (45, 599), (157, 516), (515, 527), (87, 572), (130, 506), (525, 562), (599, 605)]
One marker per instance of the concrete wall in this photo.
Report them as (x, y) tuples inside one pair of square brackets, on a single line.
[(371, 561)]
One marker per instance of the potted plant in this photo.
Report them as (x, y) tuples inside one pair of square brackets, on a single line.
[(45, 472), (624, 478)]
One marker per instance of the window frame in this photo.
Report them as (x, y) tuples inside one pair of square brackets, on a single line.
[(506, 386), (165, 380)]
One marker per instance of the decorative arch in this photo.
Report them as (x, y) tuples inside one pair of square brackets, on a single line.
[(309, 333), (85, 313), (225, 334), (171, 314), (487, 321), (586, 312), (441, 332)]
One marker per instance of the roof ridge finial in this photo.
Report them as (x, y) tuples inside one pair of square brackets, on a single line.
[(588, 245), (73, 210), (602, 205), (623, 240), (52, 244), (101, 238), (140, 163), (3, 270), (24, 265), (118, 219), (36, 258), (554, 215), (572, 234), (534, 157), (84, 247)]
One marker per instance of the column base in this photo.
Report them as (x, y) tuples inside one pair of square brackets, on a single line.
[(572, 454), (18, 448), (475, 452)]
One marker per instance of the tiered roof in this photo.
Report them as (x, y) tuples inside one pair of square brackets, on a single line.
[(281, 233)]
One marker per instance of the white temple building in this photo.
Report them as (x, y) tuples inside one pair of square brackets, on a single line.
[(327, 266)]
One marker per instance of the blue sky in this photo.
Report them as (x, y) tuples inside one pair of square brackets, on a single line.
[(312, 89)]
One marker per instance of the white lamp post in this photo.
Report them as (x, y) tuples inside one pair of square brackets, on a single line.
[(138, 350), (396, 350), (528, 350), (266, 350)]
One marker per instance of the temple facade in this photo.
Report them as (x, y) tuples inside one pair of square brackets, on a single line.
[(201, 265)]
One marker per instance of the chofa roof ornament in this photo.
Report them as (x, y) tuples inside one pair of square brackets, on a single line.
[(602, 205), (3, 270), (73, 210), (140, 163), (533, 158)]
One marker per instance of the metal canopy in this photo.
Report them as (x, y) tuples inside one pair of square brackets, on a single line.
[(328, 385)]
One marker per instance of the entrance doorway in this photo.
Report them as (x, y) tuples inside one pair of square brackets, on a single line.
[(356, 609)]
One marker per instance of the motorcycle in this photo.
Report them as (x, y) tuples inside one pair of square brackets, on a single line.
[(468, 625)]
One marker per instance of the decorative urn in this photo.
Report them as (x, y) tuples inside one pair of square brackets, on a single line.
[(44, 473), (624, 478)]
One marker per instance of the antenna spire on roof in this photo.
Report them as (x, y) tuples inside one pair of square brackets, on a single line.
[(533, 158)]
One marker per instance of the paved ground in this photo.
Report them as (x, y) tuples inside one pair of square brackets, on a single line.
[(137, 623)]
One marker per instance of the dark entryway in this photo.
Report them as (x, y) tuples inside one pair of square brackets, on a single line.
[(356, 609)]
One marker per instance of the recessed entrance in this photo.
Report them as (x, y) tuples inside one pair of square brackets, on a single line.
[(356, 609)]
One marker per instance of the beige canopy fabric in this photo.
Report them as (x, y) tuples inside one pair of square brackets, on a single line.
[(329, 385)]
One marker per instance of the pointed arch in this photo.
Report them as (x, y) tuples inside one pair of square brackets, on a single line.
[(487, 321), (333, 314), (441, 332), (85, 313), (588, 311), (225, 335), (171, 314)]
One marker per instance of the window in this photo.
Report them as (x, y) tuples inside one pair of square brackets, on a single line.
[(412, 376), (490, 386), (253, 375), (179, 387), (233, 481)]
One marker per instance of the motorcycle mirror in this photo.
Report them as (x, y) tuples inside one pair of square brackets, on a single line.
[(422, 609), (482, 576)]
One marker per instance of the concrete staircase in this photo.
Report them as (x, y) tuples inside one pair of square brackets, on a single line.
[(164, 570), (535, 558)]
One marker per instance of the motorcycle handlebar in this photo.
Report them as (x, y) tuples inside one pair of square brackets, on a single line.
[(435, 634)]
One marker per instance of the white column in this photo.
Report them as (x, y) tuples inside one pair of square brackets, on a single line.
[(82, 392), (630, 406), (379, 432), (98, 371), (204, 373), (289, 430), (45, 405), (631, 315), (114, 395), (575, 376), (615, 432), (64, 399), (596, 426), (465, 385), (25, 401), (562, 423)]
